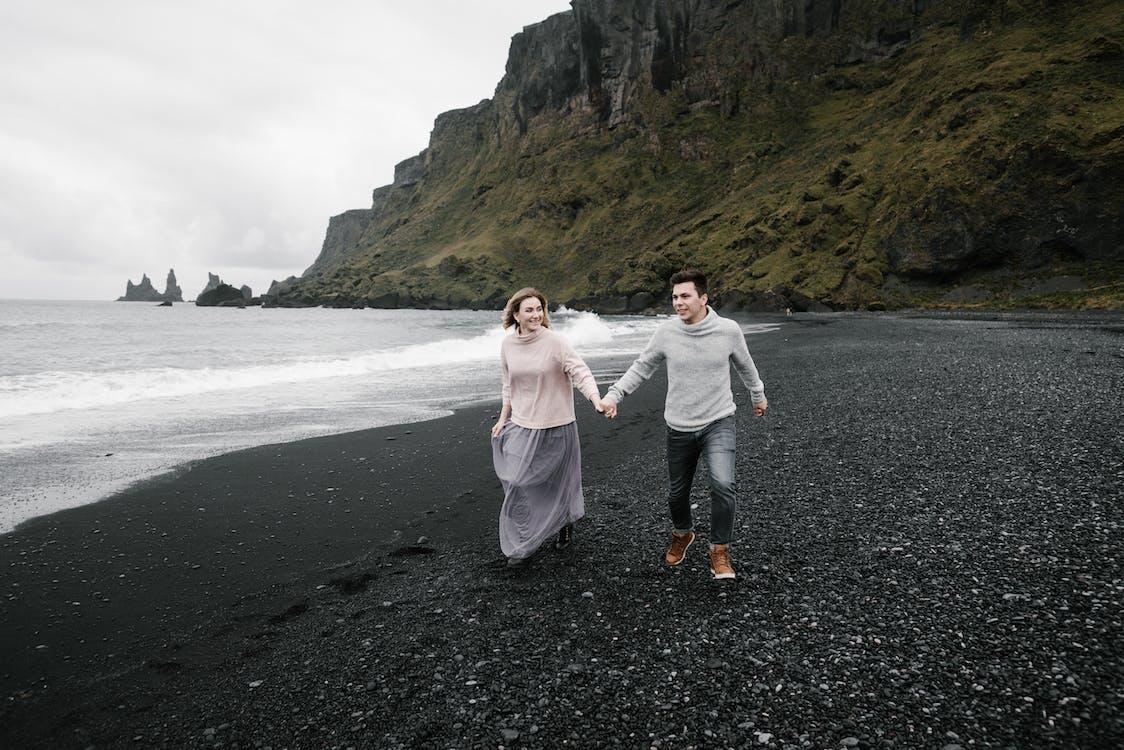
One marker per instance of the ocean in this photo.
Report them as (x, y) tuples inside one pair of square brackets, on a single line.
[(95, 396)]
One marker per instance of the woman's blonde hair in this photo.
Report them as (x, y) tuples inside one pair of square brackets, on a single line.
[(516, 302)]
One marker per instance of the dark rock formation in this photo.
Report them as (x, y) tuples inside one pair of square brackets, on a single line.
[(172, 291), (767, 301), (142, 292), (247, 293), (280, 286), (222, 293), (213, 283), (145, 292)]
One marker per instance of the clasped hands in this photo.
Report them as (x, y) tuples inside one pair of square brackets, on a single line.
[(606, 406)]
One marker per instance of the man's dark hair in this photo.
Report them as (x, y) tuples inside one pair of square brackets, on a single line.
[(694, 275)]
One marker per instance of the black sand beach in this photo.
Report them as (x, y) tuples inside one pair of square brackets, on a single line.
[(929, 554)]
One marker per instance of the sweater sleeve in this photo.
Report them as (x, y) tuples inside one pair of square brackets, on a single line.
[(505, 392), (747, 371), (580, 375), (640, 370)]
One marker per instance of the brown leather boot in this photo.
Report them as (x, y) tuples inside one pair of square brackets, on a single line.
[(678, 549), (720, 561)]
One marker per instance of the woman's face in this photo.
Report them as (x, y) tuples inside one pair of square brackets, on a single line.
[(529, 315)]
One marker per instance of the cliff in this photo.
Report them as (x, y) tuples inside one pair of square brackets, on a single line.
[(805, 153)]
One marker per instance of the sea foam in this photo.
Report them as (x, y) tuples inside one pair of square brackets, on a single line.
[(49, 392)]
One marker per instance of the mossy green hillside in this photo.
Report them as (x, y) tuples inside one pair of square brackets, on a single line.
[(976, 156)]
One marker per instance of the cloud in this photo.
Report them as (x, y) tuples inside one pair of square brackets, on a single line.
[(139, 136)]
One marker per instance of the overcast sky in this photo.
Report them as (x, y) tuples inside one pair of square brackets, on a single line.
[(142, 135)]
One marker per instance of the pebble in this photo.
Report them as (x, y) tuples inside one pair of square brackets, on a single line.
[(813, 616)]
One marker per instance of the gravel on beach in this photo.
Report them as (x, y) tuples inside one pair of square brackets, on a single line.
[(928, 545)]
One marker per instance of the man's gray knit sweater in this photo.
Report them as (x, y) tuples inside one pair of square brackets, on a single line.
[(698, 360)]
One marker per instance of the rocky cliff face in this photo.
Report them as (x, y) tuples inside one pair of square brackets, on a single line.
[(847, 153)]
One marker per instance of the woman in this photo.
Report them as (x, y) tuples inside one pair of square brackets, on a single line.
[(535, 441)]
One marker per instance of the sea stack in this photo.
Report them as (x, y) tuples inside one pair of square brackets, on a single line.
[(145, 292), (142, 292), (213, 282), (220, 294), (172, 291)]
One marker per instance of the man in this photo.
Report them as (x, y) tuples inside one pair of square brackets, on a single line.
[(698, 348)]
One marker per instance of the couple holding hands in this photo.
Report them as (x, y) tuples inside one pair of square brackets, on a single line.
[(535, 446)]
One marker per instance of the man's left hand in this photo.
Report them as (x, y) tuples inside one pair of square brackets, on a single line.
[(760, 408)]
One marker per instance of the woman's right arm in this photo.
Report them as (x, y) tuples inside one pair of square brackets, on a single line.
[(505, 412), (505, 396)]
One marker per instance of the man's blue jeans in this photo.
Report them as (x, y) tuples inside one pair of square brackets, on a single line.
[(717, 442)]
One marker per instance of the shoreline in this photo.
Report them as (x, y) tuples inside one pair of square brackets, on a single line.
[(151, 497), (923, 511), (56, 458), (128, 485), (332, 502)]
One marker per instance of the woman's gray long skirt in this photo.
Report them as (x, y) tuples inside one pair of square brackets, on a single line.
[(541, 474)]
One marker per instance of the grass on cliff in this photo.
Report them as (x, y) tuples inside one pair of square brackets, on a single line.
[(812, 185)]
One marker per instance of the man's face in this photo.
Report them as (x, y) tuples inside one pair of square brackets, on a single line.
[(689, 306)]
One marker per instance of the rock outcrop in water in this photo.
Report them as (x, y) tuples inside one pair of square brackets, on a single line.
[(219, 294), (223, 295), (145, 292), (213, 282), (805, 153), (142, 292), (269, 299), (172, 291)]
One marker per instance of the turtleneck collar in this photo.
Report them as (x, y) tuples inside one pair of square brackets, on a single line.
[(527, 338), (704, 326)]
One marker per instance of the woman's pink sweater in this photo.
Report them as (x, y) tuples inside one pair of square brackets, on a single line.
[(538, 371)]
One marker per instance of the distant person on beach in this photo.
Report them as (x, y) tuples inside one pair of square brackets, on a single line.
[(535, 446), (698, 348)]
